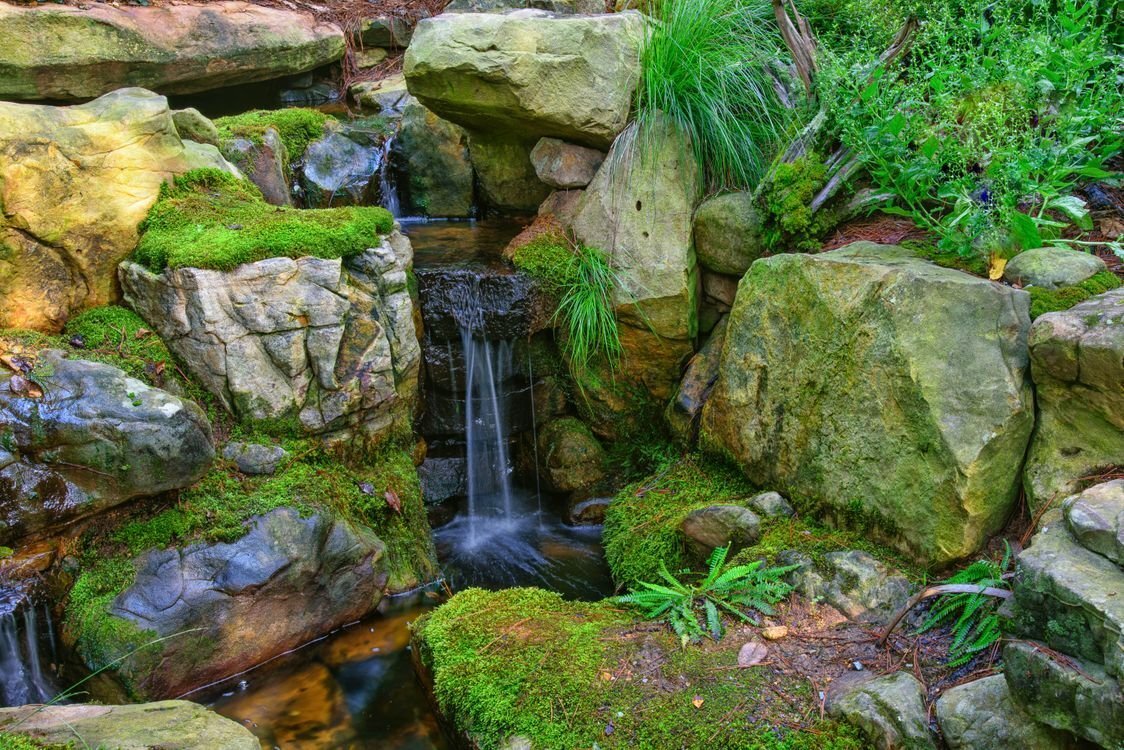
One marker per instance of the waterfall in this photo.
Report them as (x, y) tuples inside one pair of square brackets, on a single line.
[(387, 186), (22, 678)]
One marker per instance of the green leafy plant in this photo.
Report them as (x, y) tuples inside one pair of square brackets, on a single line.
[(973, 614), (986, 129), (705, 67), (734, 590)]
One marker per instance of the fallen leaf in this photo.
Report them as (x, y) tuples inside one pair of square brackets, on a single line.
[(752, 654), (606, 676), (998, 265), (697, 701), (393, 501)]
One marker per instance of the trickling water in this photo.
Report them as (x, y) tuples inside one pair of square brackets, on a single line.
[(22, 678), (387, 186)]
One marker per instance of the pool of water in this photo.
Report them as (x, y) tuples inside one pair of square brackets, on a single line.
[(454, 242)]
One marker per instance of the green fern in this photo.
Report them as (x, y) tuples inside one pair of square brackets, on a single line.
[(693, 611), (974, 617)]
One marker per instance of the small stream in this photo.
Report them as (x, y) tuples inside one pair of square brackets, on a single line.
[(356, 688)]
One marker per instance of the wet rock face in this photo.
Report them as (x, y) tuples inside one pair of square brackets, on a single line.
[(433, 154), (77, 182), (288, 580), (1077, 360), (96, 438), (571, 458), (840, 385), (171, 725), (328, 344), (487, 72), (69, 53), (492, 300), (342, 168)]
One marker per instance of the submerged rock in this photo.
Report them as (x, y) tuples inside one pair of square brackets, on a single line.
[(94, 439), (69, 52), (166, 725), (328, 345), (1052, 267), (1077, 360), (840, 386), (528, 74), (77, 182), (889, 711), (980, 715)]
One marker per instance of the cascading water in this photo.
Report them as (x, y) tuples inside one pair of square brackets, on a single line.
[(22, 676), (387, 186)]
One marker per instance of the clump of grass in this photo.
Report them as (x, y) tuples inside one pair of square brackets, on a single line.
[(297, 127), (1043, 301), (207, 218), (704, 68), (583, 282)]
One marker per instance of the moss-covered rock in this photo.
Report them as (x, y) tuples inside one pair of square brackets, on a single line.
[(1044, 300), (728, 233), (265, 162), (890, 712), (841, 387), (297, 127), (982, 716), (507, 178), (1052, 267), (572, 458), (433, 153), (1077, 360), (209, 219), (293, 555), (563, 675), (192, 125)]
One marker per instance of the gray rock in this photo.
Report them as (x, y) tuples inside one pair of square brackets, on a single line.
[(563, 165), (728, 233), (706, 529), (254, 458), (1070, 597), (889, 711), (682, 413), (980, 715), (840, 385), (560, 7), (1052, 267), (1096, 519), (166, 725), (264, 163), (434, 155), (327, 342), (388, 96), (387, 32), (1077, 361), (341, 171), (443, 479), (527, 74), (852, 581), (1074, 696), (772, 505), (95, 439), (587, 512), (287, 581), (193, 126)]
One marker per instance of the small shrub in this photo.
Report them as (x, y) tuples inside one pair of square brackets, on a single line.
[(976, 626), (734, 590), (209, 219)]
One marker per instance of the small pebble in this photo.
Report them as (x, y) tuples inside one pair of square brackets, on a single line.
[(774, 633), (858, 665)]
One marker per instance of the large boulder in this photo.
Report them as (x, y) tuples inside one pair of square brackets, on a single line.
[(74, 184), (69, 52), (529, 74), (234, 605), (326, 345), (980, 715), (433, 154), (507, 178), (166, 725), (842, 386), (1077, 360), (1096, 519), (85, 437)]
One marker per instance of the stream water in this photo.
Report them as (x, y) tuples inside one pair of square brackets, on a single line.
[(356, 688), (27, 643)]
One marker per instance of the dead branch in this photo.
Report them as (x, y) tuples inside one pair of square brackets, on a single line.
[(944, 588)]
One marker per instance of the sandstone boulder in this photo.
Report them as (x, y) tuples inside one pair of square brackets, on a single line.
[(706, 529), (74, 183), (728, 233), (165, 725), (572, 458), (94, 439), (563, 165), (68, 52), (327, 344), (841, 386), (1077, 360), (529, 74), (1096, 519), (507, 178)]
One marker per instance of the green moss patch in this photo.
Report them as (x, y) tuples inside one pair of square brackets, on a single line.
[(1043, 301), (18, 741), (297, 127), (207, 218), (570, 675), (642, 523), (548, 259)]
